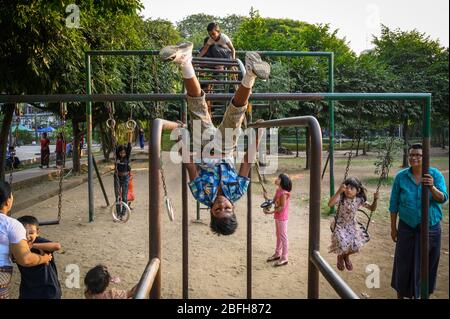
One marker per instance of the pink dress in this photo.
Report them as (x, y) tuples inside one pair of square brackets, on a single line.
[(347, 235), (281, 222)]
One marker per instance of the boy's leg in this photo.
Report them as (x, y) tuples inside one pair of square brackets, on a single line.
[(235, 113), (197, 106)]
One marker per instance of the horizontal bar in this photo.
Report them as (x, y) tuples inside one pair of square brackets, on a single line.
[(217, 97), (202, 59), (291, 53), (332, 277), (196, 63), (265, 53), (148, 277), (219, 82), (200, 70)]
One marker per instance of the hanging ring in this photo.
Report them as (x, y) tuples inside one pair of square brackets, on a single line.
[(131, 125), (169, 208), (111, 123)]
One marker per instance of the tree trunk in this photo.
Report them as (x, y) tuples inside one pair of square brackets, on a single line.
[(308, 148), (443, 138), (364, 145), (405, 143), (105, 136), (6, 126), (76, 169), (357, 145)]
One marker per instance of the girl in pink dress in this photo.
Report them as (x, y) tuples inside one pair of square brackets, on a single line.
[(281, 200), (347, 236)]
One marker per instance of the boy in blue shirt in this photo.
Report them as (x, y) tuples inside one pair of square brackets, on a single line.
[(39, 282), (214, 181)]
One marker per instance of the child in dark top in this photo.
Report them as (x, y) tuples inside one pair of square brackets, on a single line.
[(39, 282), (122, 173)]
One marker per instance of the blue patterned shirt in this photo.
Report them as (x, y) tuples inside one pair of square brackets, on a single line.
[(205, 187), (406, 197)]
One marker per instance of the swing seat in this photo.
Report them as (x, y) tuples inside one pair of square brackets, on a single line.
[(49, 222), (267, 203)]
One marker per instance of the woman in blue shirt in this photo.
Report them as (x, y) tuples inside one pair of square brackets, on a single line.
[(406, 202)]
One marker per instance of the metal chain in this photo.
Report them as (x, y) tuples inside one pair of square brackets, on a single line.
[(111, 124), (162, 176), (350, 155), (63, 111)]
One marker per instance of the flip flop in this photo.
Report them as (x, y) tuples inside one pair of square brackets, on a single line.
[(340, 263), (272, 258), (348, 263), (280, 263)]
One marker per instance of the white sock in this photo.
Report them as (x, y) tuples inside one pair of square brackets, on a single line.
[(187, 69), (248, 80)]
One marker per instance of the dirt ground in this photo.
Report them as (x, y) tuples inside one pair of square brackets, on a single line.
[(217, 266)]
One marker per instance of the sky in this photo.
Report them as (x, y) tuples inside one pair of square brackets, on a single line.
[(356, 20)]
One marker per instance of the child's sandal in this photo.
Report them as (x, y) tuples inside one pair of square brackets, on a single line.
[(348, 263), (340, 262)]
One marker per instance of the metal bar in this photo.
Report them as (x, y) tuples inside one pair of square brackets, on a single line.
[(315, 189), (217, 71), (338, 284), (147, 279), (105, 195), (49, 222), (219, 82), (203, 59), (154, 207), (185, 233), (249, 227), (332, 126), (214, 63), (424, 230), (89, 139), (249, 237), (198, 209), (265, 53), (222, 96)]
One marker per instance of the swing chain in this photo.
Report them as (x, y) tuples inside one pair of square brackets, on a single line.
[(163, 179)]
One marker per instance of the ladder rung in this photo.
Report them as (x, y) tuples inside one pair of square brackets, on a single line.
[(219, 82), (217, 71)]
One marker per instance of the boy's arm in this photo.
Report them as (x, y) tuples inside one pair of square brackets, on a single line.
[(203, 50), (50, 247), (250, 155), (233, 50)]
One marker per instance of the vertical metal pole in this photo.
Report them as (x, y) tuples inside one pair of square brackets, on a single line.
[(185, 229), (424, 234), (198, 210), (314, 210), (249, 225), (154, 208), (89, 138), (296, 140), (100, 181), (249, 237), (331, 123)]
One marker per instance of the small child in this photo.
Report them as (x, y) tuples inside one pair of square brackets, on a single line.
[(122, 174), (347, 237), (282, 199), (97, 281), (39, 282)]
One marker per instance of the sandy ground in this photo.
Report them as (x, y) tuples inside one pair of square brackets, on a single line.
[(217, 266)]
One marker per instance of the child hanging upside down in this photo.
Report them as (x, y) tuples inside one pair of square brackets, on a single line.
[(215, 181)]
